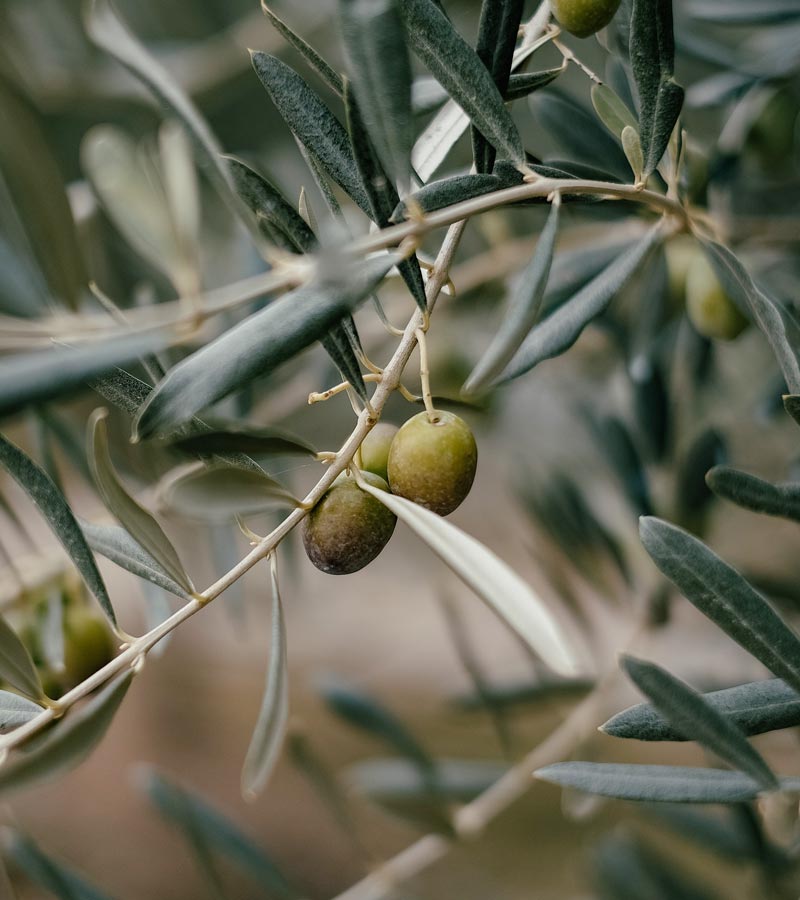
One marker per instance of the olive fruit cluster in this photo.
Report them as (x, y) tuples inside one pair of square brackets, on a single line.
[(584, 18), (431, 461)]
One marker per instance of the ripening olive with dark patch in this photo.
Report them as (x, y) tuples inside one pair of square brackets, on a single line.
[(584, 18), (375, 449), (432, 461), (348, 528), (710, 309), (88, 644)]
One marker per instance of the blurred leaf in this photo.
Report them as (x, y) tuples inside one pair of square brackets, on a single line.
[(140, 524), (15, 711), (51, 630), (723, 595), (623, 457), (744, 12), (652, 50), (740, 287), (265, 745), (51, 504), (16, 665), (523, 310), (542, 691), (54, 877), (256, 346), (312, 123), (219, 492), (692, 496), (70, 741), (375, 45), (457, 67), (497, 37), (755, 708), (181, 189), (208, 831), (457, 781), (240, 437), (524, 83), (754, 493), (491, 579), (614, 114), (651, 404), (117, 545), (560, 330), (328, 75), (46, 375), (364, 712), (689, 713), (671, 784)]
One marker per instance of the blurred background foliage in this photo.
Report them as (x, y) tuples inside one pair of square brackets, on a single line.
[(625, 425)]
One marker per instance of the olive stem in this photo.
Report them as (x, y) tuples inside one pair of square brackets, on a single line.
[(425, 376), (569, 56)]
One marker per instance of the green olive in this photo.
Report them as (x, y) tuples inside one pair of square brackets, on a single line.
[(681, 252), (433, 462), (710, 309), (348, 528), (88, 644), (375, 449), (584, 18)]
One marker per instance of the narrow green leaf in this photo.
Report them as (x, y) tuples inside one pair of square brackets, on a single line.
[(745, 12), (181, 188), (723, 595), (15, 711), (312, 123), (791, 403), (652, 51), (633, 152), (741, 288), (523, 310), (54, 877), (497, 37), (755, 493), (614, 114), (525, 83), (51, 504), (457, 67), (340, 349), (207, 830), (689, 713), (69, 743), (257, 345), (219, 492), (446, 191), (755, 708), (375, 44), (560, 330), (16, 665), (657, 784), (491, 579), (692, 494), (141, 525), (117, 545), (265, 745), (240, 437), (392, 779)]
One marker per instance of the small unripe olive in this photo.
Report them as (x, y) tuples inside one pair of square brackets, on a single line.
[(710, 309), (681, 251), (584, 17), (375, 449), (348, 528), (88, 644), (433, 463)]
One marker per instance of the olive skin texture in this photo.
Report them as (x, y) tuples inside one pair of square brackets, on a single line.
[(375, 449), (584, 18), (710, 309), (348, 528), (433, 463), (88, 644)]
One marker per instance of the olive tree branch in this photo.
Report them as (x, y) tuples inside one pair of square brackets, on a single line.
[(133, 654)]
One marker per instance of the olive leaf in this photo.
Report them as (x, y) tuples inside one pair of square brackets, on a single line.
[(256, 346), (560, 330), (341, 350), (312, 123), (52, 505), (525, 83), (457, 67), (614, 114), (523, 310), (16, 665), (754, 493), (688, 712), (265, 745), (53, 876), (491, 579), (69, 743), (238, 437), (375, 44), (15, 711), (652, 51), (135, 518), (755, 708), (658, 784), (724, 596)]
